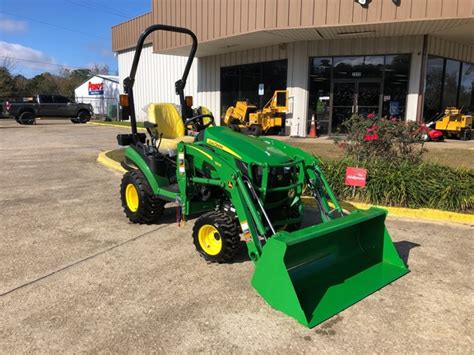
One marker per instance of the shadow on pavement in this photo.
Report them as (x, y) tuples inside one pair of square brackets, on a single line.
[(404, 247)]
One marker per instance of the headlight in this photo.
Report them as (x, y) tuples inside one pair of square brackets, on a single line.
[(291, 193)]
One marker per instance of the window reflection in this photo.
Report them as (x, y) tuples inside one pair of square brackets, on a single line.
[(466, 89), (448, 82), (451, 82), (433, 86)]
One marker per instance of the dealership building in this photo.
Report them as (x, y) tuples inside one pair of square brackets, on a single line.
[(395, 58)]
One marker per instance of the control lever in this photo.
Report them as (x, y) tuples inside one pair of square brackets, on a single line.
[(151, 129)]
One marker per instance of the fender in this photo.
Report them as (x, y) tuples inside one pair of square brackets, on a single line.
[(156, 182)]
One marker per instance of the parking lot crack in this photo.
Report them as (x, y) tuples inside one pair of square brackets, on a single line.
[(80, 261)]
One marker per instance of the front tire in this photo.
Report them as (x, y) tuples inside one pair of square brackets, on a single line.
[(216, 237), (138, 201)]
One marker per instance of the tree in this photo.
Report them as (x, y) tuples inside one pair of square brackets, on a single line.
[(7, 84), (71, 79), (100, 69), (43, 84), (9, 63), (21, 85)]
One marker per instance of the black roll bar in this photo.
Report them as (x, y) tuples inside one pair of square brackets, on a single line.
[(179, 85)]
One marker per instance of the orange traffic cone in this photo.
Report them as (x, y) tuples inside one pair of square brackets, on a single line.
[(312, 130)]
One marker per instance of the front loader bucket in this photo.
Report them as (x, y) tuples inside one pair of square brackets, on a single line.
[(316, 272)]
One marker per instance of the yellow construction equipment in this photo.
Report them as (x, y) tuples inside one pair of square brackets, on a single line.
[(246, 117), (454, 124)]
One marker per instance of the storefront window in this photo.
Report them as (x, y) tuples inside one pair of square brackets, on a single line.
[(320, 91), (433, 87), (466, 89), (241, 82), (358, 67), (397, 70), (341, 86), (451, 82)]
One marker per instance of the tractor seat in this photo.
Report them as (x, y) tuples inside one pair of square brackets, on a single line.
[(169, 125)]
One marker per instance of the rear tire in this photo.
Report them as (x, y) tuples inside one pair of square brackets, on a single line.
[(138, 201), (84, 116), (216, 236), (27, 118)]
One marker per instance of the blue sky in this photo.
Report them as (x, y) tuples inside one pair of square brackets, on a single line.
[(45, 34)]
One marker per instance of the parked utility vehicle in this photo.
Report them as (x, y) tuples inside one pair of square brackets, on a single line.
[(27, 110), (249, 189)]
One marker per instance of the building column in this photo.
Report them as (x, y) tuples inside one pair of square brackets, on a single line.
[(414, 88), (298, 87)]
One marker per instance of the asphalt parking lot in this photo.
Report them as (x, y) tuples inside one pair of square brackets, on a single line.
[(75, 276)]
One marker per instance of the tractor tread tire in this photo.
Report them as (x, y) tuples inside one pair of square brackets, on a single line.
[(150, 206), (229, 230)]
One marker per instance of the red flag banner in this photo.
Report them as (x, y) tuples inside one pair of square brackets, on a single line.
[(356, 177)]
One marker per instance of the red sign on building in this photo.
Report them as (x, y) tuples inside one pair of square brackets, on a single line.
[(356, 177), (96, 89)]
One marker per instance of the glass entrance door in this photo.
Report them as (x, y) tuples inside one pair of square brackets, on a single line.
[(354, 96), (368, 97), (343, 103)]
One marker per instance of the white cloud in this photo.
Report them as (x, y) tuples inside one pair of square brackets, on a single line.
[(10, 25), (28, 58)]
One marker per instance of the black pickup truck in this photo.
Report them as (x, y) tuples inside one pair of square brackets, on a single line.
[(25, 111)]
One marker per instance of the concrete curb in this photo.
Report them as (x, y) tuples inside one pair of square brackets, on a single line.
[(112, 125), (420, 213), (103, 159)]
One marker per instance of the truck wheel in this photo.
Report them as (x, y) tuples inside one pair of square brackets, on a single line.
[(27, 118), (138, 201), (216, 237), (84, 116)]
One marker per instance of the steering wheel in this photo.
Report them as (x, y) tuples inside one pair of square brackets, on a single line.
[(197, 122)]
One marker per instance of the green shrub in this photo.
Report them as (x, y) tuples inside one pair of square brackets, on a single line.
[(406, 184), (370, 138), (391, 152)]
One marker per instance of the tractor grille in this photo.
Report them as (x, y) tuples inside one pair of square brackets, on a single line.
[(277, 177)]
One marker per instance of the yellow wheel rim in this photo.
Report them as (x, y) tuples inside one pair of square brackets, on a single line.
[(210, 239), (131, 197)]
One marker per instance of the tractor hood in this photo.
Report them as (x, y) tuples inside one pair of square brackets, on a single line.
[(245, 148)]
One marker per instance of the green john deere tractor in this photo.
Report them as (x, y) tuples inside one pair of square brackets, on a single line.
[(248, 189)]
